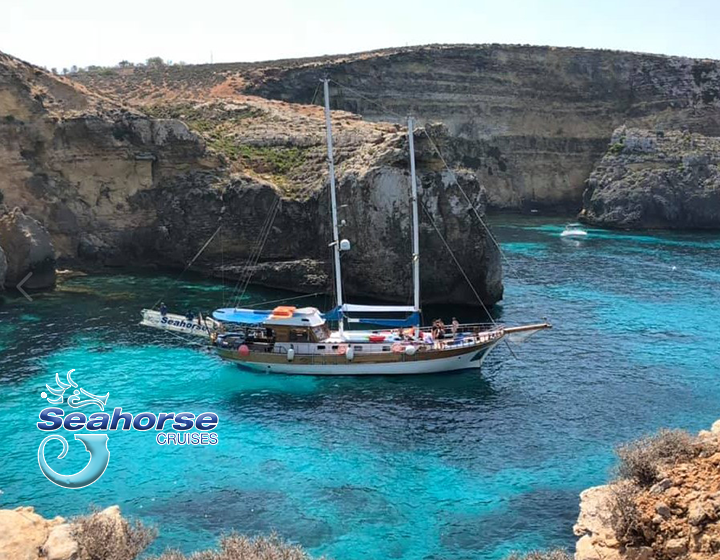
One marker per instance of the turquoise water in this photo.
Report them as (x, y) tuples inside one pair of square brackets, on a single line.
[(463, 466)]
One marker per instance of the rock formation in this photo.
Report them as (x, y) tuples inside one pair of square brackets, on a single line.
[(117, 186), (25, 535), (530, 122), (651, 179), (678, 518), (28, 249), (3, 268)]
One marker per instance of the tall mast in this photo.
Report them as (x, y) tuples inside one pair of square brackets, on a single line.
[(331, 169), (415, 226)]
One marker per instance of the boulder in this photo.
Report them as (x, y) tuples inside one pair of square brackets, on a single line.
[(23, 533), (60, 544), (28, 248)]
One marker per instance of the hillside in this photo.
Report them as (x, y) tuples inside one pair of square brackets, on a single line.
[(115, 185), (530, 122)]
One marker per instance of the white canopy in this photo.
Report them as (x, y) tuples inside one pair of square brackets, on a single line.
[(352, 307)]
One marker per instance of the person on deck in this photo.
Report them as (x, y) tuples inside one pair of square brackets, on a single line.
[(455, 326), (163, 308), (441, 329)]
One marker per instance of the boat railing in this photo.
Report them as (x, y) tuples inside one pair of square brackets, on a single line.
[(467, 334), (467, 327)]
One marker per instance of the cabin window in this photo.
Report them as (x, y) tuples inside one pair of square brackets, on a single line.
[(321, 332), (298, 335), (358, 348), (321, 347), (335, 347), (386, 349)]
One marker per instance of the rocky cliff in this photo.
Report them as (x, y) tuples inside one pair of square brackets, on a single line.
[(673, 515), (650, 179), (116, 185), (529, 122)]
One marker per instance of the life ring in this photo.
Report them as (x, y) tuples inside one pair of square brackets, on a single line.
[(397, 347), (342, 349)]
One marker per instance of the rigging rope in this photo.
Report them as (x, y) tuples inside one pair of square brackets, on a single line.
[(442, 159), (189, 264), (462, 271), (285, 299)]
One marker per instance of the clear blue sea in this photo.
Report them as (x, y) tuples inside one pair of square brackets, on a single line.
[(471, 465)]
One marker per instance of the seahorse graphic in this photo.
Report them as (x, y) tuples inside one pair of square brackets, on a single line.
[(95, 444)]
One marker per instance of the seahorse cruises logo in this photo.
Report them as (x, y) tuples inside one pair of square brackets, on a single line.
[(54, 418)]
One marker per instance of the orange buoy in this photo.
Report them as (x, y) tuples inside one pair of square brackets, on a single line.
[(342, 349), (243, 350)]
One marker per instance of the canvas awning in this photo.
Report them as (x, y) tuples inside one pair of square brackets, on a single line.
[(243, 316)]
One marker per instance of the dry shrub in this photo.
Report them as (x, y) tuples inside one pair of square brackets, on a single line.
[(641, 461), (555, 554), (239, 547), (624, 514), (103, 537)]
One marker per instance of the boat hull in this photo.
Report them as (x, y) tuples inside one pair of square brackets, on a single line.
[(386, 364), (178, 323)]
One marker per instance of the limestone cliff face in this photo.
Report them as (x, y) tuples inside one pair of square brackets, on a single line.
[(656, 180), (74, 160), (29, 250), (117, 186), (529, 122)]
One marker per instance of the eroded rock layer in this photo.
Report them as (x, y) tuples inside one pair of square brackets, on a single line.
[(650, 179), (116, 186), (530, 122)]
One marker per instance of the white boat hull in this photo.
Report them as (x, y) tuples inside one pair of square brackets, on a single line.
[(472, 359), (178, 323)]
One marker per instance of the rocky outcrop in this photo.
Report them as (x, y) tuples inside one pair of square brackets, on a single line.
[(116, 186), (678, 518), (651, 179), (26, 535), (3, 268), (28, 249), (531, 122)]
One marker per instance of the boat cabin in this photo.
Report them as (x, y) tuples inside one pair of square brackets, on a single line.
[(290, 324), (282, 324)]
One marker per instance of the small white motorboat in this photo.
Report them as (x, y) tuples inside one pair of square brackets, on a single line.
[(574, 231)]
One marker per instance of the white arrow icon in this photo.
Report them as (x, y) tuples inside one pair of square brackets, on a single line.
[(19, 286)]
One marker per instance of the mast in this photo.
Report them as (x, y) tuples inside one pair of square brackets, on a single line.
[(336, 234), (415, 226)]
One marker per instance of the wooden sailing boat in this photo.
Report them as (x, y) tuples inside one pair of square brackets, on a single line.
[(299, 341)]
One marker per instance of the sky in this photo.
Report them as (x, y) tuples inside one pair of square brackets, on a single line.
[(62, 33)]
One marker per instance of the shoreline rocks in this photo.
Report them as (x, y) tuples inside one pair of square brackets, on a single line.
[(655, 180), (28, 249), (26, 535), (677, 518)]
